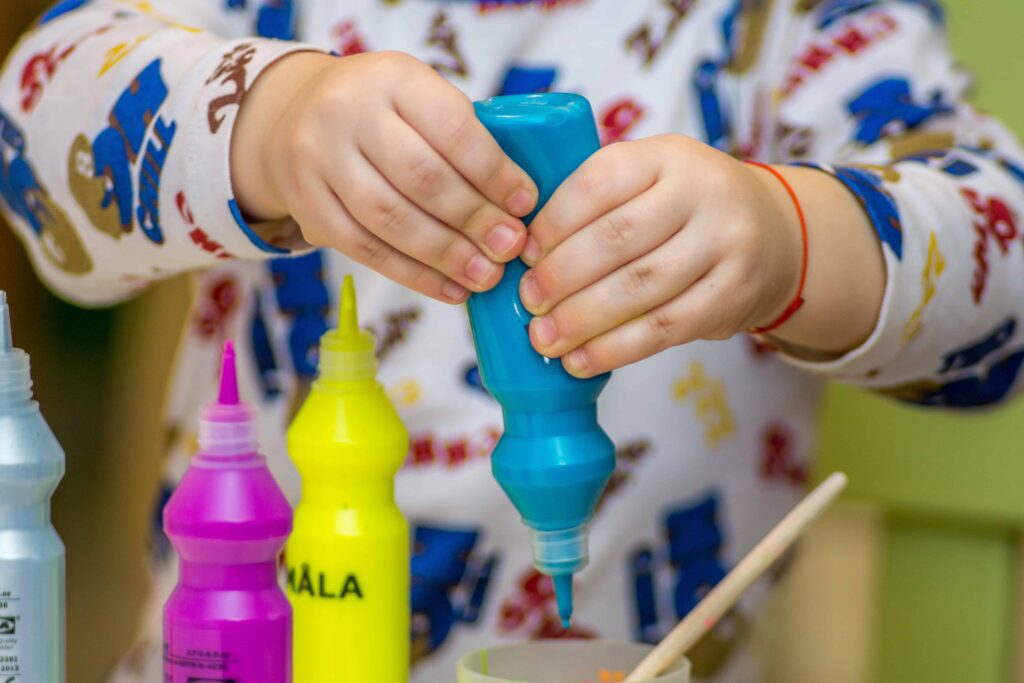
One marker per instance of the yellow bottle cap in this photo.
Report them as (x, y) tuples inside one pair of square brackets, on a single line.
[(348, 353)]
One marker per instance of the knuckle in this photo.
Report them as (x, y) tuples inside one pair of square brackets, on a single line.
[(388, 215), (677, 143), (392, 61), (594, 180), (300, 142), (546, 275), (422, 279), (738, 234), (569, 320), (455, 126), (449, 253), (545, 230), (638, 280), (390, 57), (662, 327), (600, 356), (370, 250), (476, 217), (722, 180), (618, 229), (498, 176), (425, 174), (324, 106)]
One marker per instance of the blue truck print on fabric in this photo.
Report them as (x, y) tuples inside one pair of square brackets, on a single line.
[(988, 384), (276, 19), (101, 172), (975, 353), (694, 554), (832, 11), (705, 84), (525, 80), (888, 106), (30, 201), (449, 584), (305, 303), (60, 9), (693, 561), (716, 123), (263, 351)]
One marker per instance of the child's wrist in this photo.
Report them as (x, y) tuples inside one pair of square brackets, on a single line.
[(252, 153), (787, 282), (846, 273)]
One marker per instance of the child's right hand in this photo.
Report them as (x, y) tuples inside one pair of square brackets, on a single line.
[(379, 157)]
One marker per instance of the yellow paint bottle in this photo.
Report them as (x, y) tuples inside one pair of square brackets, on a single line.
[(348, 556)]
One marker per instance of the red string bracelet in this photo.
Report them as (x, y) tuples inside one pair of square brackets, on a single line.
[(798, 300)]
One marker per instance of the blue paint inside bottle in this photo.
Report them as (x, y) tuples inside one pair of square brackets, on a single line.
[(553, 459)]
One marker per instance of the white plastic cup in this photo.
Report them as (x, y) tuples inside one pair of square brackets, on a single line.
[(562, 661)]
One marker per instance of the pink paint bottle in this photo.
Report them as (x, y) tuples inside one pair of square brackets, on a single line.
[(228, 621)]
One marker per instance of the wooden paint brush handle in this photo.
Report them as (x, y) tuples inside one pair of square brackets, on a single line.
[(723, 596)]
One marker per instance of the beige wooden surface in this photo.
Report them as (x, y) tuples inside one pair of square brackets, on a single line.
[(818, 626)]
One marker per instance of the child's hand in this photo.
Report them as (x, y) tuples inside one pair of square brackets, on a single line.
[(379, 157), (655, 243)]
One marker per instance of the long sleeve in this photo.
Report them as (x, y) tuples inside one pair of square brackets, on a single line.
[(115, 126), (872, 90)]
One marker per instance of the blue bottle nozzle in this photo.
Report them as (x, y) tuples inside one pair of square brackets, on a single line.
[(553, 459), (563, 595)]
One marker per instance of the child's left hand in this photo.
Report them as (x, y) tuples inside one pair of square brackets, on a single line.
[(655, 243)]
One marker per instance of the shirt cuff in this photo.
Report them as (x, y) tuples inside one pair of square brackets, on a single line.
[(220, 82)]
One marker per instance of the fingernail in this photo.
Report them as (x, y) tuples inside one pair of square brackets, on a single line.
[(544, 330), (529, 292), (521, 202), (454, 292), (480, 269), (502, 239), (531, 251), (576, 362)]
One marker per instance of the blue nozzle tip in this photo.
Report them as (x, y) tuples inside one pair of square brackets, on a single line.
[(563, 594)]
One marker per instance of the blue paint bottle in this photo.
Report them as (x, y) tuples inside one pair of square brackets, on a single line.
[(553, 460)]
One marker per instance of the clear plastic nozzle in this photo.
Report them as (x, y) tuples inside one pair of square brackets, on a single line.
[(560, 554), (15, 368), (6, 341), (227, 427)]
